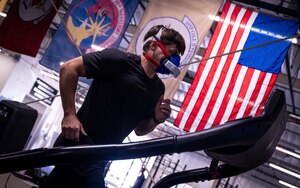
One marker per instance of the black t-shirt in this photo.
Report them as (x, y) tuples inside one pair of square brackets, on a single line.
[(120, 96)]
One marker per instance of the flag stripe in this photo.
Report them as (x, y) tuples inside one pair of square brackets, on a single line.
[(206, 67), (215, 120), (189, 95), (254, 94), (267, 93), (209, 82), (242, 94), (231, 77), (234, 75), (232, 95), (218, 66), (228, 67), (253, 83), (260, 95)]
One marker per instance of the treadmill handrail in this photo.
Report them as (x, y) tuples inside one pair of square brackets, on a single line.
[(275, 110), (63, 155), (200, 174), (244, 130)]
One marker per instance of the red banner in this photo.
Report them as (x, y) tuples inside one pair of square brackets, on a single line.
[(26, 24)]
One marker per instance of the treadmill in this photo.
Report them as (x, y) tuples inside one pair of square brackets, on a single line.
[(234, 148)]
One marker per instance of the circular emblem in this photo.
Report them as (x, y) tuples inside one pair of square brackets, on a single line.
[(99, 24), (34, 10), (185, 27)]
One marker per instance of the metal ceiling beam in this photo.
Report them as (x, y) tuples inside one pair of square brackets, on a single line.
[(271, 7), (294, 118), (287, 63)]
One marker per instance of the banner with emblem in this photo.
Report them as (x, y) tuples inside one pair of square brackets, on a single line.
[(99, 23), (26, 24), (2, 4), (192, 24)]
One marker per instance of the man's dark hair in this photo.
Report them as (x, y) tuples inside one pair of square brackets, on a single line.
[(168, 36)]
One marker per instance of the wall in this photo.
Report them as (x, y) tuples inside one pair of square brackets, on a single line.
[(17, 87), (6, 66)]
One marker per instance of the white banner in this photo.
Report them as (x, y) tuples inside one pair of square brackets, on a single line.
[(190, 18), (2, 4)]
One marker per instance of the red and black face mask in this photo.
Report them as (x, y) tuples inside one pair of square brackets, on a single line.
[(168, 65)]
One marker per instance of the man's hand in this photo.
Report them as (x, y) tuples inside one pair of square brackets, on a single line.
[(72, 128), (162, 109), (162, 112)]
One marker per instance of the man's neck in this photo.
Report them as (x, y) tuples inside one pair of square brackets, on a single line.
[(148, 67)]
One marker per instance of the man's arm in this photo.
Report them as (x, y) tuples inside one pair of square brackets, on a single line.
[(145, 127), (161, 113), (69, 74)]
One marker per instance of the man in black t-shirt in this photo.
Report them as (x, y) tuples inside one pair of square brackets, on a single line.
[(126, 94)]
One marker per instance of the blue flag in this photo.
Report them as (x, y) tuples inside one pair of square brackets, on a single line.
[(268, 58), (92, 22)]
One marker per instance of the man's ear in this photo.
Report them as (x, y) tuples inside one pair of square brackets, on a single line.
[(153, 45)]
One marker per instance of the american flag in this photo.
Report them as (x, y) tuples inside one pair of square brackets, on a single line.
[(236, 85)]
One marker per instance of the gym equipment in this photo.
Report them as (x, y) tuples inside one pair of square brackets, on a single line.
[(240, 145), (16, 123)]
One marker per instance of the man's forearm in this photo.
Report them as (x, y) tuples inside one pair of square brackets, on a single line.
[(69, 74), (67, 85), (145, 127)]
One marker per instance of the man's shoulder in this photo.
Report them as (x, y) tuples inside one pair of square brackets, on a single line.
[(119, 53), (113, 51), (110, 55)]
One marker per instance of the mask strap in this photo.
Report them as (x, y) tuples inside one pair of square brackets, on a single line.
[(160, 44), (151, 59), (163, 48)]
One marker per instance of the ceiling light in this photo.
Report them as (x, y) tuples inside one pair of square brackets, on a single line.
[(97, 48), (288, 152), (2, 14), (287, 184), (168, 123), (216, 18), (49, 75), (294, 116), (176, 108), (285, 170)]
